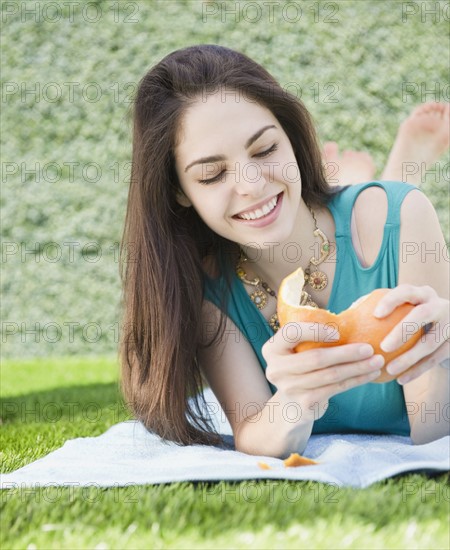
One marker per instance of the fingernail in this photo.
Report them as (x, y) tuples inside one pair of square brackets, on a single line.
[(404, 379), (373, 375), (395, 367), (377, 361), (379, 311), (366, 350), (388, 345)]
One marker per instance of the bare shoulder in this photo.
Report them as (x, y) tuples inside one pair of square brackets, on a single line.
[(425, 253), (417, 203), (419, 222), (232, 369)]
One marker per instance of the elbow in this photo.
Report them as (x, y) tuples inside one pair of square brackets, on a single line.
[(281, 449), (424, 436), (249, 448), (265, 452), (419, 439)]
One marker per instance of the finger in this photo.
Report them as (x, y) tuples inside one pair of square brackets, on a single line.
[(440, 358), (325, 392), (424, 348), (321, 358), (428, 344), (399, 295), (291, 334), (420, 354), (339, 375), (421, 317)]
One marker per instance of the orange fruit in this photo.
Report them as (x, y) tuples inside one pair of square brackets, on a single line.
[(355, 324)]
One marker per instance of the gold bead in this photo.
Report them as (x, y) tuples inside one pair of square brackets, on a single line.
[(259, 298)]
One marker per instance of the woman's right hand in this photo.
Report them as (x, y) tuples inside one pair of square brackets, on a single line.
[(311, 377)]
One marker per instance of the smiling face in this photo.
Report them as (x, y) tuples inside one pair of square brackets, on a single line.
[(233, 158)]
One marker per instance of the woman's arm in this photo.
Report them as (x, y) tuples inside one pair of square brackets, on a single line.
[(258, 419), (424, 263), (281, 424)]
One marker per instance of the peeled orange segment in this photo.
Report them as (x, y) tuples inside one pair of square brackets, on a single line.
[(296, 460), (356, 324), (288, 304), (291, 288)]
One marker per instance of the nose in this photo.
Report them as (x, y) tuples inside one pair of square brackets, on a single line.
[(250, 179)]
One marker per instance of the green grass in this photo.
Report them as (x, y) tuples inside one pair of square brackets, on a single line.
[(403, 512)]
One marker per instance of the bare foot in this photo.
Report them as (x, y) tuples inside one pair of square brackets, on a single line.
[(349, 168), (420, 141)]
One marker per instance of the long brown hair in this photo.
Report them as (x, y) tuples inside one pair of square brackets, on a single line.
[(164, 244)]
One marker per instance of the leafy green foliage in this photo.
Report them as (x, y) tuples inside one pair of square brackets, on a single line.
[(66, 147)]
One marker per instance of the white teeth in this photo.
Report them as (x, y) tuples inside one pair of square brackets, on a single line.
[(260, 212)]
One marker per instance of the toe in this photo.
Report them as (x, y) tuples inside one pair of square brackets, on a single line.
[(330, 150), (436, 109), (422, 109), (369, 160)]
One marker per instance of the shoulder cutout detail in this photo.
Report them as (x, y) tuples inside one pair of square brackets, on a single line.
[(369, 213)]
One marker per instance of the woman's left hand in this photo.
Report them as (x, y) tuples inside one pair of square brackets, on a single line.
[(432, 313)]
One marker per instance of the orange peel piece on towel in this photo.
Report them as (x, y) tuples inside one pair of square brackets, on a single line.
[(264, 466), (296, 460)]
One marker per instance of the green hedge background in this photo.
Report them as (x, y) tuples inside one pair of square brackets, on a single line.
[(66, 146)]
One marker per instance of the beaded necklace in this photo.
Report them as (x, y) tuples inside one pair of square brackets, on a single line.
[(316, 280)]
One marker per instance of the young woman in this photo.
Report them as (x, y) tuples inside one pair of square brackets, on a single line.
[(227, 191)]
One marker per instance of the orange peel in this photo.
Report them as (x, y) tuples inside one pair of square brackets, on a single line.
[(355, 324), (295, 460)]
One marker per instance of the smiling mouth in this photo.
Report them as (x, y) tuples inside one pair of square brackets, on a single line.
[(260, 213)]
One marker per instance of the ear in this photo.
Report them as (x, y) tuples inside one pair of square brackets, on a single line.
[(183, 200)]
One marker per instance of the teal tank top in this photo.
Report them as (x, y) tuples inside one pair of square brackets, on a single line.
[(369, 408)]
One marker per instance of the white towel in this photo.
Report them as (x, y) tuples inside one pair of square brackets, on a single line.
[(127, 454)]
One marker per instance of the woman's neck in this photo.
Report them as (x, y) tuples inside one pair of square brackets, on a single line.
[(274, 263)]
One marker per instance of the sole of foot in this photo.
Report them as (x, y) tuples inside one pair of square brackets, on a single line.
[(421, 140), (349, 168)]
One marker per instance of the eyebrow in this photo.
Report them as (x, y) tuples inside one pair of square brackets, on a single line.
[(215, 158)]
